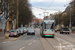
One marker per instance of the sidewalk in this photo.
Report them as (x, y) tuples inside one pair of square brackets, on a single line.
[(2, 38), (73, 32)]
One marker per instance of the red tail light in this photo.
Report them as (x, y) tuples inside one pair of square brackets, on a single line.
[(15, 33)]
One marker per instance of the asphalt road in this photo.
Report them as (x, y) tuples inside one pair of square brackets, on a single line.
[(36, 42)]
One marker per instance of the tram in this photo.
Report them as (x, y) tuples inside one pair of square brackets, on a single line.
[(47, 27)]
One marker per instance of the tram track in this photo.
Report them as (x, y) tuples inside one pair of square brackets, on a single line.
[(50, 44), (57, 43), (47, 44)]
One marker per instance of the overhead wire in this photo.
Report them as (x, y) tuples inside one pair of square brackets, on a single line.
[(39, 8), (50, 4), (47, 8)]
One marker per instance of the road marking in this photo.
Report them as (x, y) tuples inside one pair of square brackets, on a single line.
[(22, 48), (63, 41), (34, 41), (59, 46), (29, 43), (69, 45), (3, 42), (8, 41)]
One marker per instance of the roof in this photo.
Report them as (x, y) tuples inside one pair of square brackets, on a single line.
[(48, 19)]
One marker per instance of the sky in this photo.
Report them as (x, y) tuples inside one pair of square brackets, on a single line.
[(50, 6)]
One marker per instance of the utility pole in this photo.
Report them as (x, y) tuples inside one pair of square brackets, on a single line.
[(70, 19), (17, 13), (58, 19)]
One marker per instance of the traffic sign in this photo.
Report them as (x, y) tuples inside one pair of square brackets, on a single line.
[(58, 25), (3, 20), (1, 17)]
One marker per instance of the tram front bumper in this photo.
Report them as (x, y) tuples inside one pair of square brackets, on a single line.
[(49, 35)]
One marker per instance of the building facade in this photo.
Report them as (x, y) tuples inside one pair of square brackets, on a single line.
[(11, 23), (4, 12), (8, 10), (36, 22)]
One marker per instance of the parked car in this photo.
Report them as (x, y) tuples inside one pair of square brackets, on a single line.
[(31, 31), (24, 29), (13, 33), (28, 28), (18, 30), (21, 31), (64, 30)]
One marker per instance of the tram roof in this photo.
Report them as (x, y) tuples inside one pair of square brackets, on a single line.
[(48, 19)]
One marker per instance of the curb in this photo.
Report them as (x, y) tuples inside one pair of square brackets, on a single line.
[(12, 38), (21, 36), (9, 39), (72, 33)]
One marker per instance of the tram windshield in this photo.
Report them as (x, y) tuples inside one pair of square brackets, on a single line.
[(49, 25)]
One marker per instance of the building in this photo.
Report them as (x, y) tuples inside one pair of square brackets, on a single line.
[(36, 22), (40, 21), (70, 13), (8, 9), (73, 1), (71, 5), (4, 12), (47, 17), (0, 15), (11, 23)]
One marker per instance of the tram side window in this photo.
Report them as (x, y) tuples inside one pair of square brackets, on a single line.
[(52, 27)]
